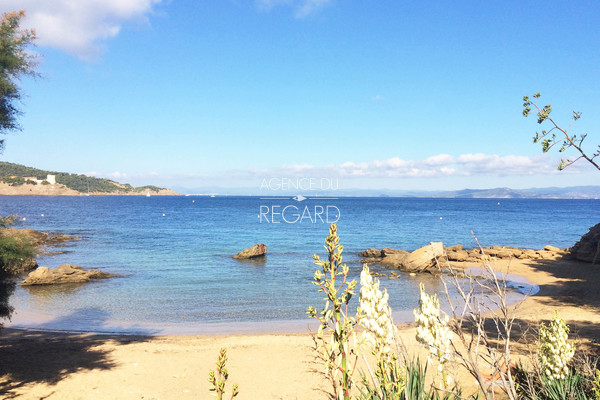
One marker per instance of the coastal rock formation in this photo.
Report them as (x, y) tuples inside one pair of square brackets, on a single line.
[(255, 251), (370, 253), (386, 251), (37, 238), (588, 247), (457, 255), (424, 258), (64, 273)]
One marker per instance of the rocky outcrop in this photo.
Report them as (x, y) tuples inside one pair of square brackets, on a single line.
[(64, 273), (370, 253), (459, 255), (423, 259), (386, 251), (588, 247), (37, 238), (257, 250)]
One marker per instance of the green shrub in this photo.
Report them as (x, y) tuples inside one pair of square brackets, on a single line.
[(16, 252)]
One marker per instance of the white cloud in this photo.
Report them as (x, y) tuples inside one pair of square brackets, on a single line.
[(79, 26), (440, 165), (302, 8)]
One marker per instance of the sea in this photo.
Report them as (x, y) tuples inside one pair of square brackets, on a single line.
[(176, 274)]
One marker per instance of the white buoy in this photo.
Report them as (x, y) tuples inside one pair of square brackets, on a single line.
[(441, 218), (193, 201), (24, 219), (42, 215), (164, 215)]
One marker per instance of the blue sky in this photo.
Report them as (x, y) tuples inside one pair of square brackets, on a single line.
[(386, 94)]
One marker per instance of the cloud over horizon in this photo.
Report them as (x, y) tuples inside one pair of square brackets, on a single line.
[(471, 166), (434, 166), (79, 27)]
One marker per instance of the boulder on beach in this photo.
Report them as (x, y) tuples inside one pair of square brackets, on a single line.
[(588, 247), (64, 273), (424, 258), (257, 250)]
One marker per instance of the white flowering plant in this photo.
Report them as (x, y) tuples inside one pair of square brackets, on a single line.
[(433, 331), (380, 332), (554, 349)]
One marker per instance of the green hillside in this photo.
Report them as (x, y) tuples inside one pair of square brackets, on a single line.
[(14, 173)]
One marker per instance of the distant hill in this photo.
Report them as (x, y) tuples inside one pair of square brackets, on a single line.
[(573, 192), (13, 176)]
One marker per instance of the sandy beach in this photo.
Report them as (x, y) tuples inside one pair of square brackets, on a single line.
[(46, 365)]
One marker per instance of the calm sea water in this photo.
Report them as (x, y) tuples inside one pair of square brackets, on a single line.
[(174, 253)]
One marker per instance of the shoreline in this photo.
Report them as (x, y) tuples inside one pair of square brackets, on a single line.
[(266, 365), (520, 287)]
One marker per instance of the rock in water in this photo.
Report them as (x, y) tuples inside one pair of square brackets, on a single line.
[(64, 273), (255, 251), (588, 247), (387, 251), (423, 258), (370, 253)]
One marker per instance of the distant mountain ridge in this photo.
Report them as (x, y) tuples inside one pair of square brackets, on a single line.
[(572, 192), (19, 179)]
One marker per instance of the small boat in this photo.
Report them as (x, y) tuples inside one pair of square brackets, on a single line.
[(212, 195), (148, 194)]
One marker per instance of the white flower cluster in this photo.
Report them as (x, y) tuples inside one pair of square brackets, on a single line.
[(432, 331), (554, 350), (376, 319)]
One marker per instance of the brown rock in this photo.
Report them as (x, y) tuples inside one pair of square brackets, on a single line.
[(515, 252), (532, 254), (257, 250), (457, 255), (386, 251), (545, 254), (423, 258), (553, 249), (370, 253), (64, 273), (504, 253), (456, 247), (59, 239), (475, 254), (394, 260), (491, 251), (588, 247), (394, 275)]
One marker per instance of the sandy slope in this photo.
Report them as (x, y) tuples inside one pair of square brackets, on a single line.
[(268, 366)]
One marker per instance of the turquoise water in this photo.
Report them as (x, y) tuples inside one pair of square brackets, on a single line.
[(173, 254)]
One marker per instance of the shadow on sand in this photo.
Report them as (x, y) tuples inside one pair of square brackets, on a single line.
[(577, 285), (41, 356)]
